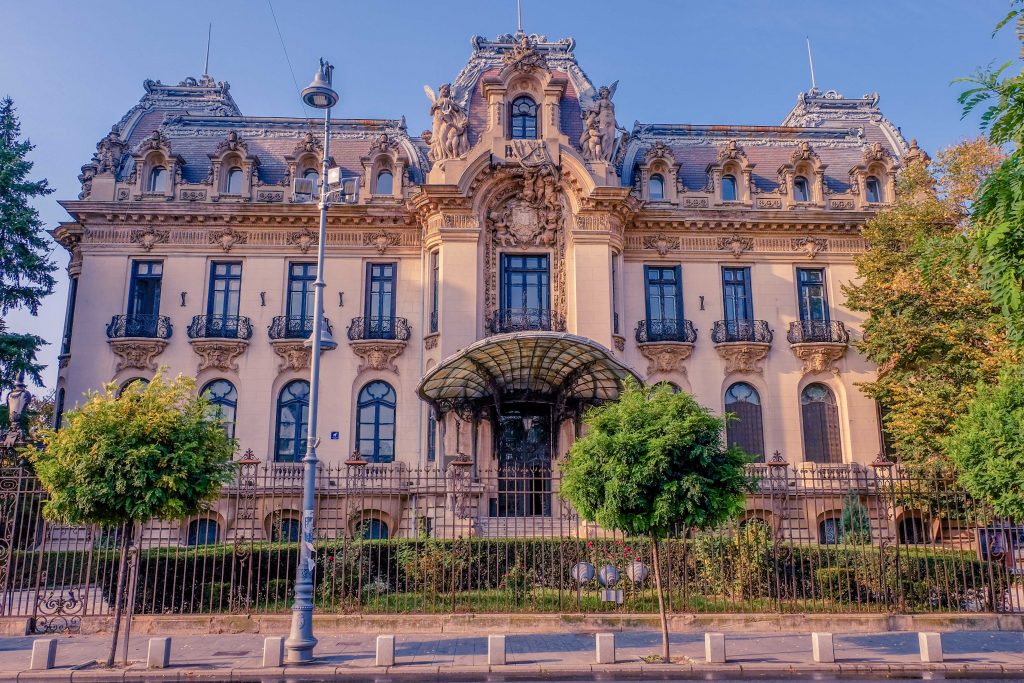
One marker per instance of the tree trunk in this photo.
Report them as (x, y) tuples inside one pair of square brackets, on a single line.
[(119, 594), (656, 557)]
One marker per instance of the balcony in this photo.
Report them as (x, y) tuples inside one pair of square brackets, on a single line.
[(219, 340), (525, 320), (288, 335), (220, 327), (666, 344), (284, 327), (378, 341), (363, 329), (140, 326), (742, 344), (138, 339), (818, 344), (652, 331)]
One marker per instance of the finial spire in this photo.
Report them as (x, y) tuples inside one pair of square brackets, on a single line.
[(209, 34), (810, 60), (519, 17)]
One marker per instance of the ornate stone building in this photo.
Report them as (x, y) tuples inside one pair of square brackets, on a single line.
[(489, 279)]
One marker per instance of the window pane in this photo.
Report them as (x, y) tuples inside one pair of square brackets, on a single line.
[(728, 188)]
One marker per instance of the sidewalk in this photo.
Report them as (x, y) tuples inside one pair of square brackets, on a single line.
[(434, 657)]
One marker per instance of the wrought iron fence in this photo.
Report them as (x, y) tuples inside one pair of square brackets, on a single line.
[(728, 331), (294, 327), (378, 328), (220, 327), (665, 331), (474, 538), (830, 331), (149, 326)]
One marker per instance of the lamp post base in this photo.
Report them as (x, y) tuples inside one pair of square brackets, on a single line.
[(299, 650)]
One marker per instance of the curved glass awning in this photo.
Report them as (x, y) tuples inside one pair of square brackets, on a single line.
[(522, 366)]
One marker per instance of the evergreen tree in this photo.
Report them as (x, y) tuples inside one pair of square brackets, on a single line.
[(25, 265), (932, 328)]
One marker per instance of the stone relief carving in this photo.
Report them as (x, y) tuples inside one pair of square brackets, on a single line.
[(378, 355), (303, 239), (381, 240), (218, 353), (620, 342), (137, 353), (743, 357), (534, 217), (597, 143), (227, 238), (819, 357), (736, 244), (430, 342), (665, 357), (812, 246), (150, 237), (449, 136), (232, 143), (295, 355), (524, 56), (661, 243)]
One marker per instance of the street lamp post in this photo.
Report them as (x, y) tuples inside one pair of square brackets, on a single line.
[(301, 641)]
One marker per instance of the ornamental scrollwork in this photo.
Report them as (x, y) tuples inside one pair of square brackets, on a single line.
[(150, 237), (736, 244)]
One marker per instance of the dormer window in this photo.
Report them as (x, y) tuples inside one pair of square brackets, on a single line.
[(873, 189), (157, 180), (657, 188), (385, 183), (233, 184), (801, 190), (728, 188), (524, 118)]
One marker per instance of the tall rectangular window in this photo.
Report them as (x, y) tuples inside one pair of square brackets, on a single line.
[(811, 292), (663, 294), (431, 437), (69, 316), (301, 277), (615, 293), (435, 286), (144, 293), (525, 282), (736, 294), (380, 300), (225, 289)]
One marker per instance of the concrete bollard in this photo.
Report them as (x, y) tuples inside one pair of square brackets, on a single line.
[(159, 655), (822, 648), (385, 650), (714, 648), (44, 653), (273, 652), (495, 650), (605, 643), (931, 647)]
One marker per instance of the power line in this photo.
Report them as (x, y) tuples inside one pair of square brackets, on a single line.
[(284, 48)]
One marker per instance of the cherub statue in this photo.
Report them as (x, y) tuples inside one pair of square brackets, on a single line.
[(449, 138)]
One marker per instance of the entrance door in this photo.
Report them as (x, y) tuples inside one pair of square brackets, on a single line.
[(524, 462)]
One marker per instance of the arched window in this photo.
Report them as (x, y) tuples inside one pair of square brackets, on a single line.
[(157, 180), (873, 189), (801, 190), (375, 422), (203, 532), (674, 388), (385, 183), (133, 380), (746, 430), (285, 529), (524, 118), (371, 529), (657, 187), (223, 401), (233, 184), (292, 422), (821, 424), (829, 531), (728, 188)]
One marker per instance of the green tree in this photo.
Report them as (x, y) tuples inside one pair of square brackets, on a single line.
[(932, 329), (157, 451), (987, 444), (651, 463), (25, 266), (997, 233)]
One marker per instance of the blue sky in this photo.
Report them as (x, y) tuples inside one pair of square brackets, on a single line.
[(74, 68)]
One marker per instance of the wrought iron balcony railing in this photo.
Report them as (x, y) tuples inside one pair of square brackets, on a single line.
[(525, 319), (755, 331), (294, 327), (829, 331), (378, 328), (220, 327), (665, 331), (149, 326)]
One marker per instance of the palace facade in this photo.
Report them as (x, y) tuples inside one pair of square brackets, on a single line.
[(489, 279)]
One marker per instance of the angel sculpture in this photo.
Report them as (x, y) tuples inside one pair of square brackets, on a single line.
[(449, 138), (599, 125)]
